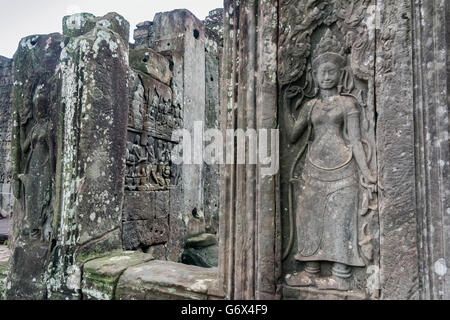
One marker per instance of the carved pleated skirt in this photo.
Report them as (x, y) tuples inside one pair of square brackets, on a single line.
[(327, 215)]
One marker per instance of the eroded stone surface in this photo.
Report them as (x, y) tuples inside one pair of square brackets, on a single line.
[(94, 133), (4, 257), (206, 257), (100, 276), (91, 148), (6, 86), (166, 280), (151, 63), (36, 101), (168, 92), (202, 240), (68, 144)]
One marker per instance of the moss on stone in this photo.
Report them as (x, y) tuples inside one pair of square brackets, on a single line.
[(101, 275), (3, 275)]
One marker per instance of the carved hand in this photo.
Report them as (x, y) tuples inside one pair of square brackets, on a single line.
[(370, 177), (292, 92)]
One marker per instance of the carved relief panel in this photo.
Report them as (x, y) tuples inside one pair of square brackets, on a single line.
[(328, 172), (148, 163), (150, 175), (152, 119)]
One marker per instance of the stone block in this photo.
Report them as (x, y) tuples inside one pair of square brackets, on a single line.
[(145, 233), (175, 44), (296, 293), (158, 251), (157, 280), (138, 205), (4, 266), (175, 244), (95, 147), (136, 234), (36, 87), (161, 205), (160, 230), (99, 247), (195, 222), (151, 63), (206, 257), (100, 276), (25, 278), (201, 241), (81, 23)]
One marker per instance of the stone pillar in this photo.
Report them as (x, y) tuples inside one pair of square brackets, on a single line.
[(36, 103), (431, 91), (182, 32), (249, 217), (151, 176), (180, 36), (92, 151), (412, 143), (6, 85), (69, 143), (213, 59)]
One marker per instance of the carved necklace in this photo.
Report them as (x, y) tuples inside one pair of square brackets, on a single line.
[(327, 104)]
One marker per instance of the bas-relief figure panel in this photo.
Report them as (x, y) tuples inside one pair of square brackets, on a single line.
[(152, 118), (328, 172), (150, 173), (6, 85)]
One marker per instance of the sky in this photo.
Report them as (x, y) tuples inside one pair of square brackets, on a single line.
[(21, 18)]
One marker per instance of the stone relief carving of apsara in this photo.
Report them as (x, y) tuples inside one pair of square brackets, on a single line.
[(37, 163), (337, 183)]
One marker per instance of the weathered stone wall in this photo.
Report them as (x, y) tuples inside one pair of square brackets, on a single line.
[(151, 175), (213, 59), (180, 37), (70, 110), (92, 140), (249, 260), (92, 149), (398, 55), (179, 31), (36, 101), (6, 85), (412, 143)]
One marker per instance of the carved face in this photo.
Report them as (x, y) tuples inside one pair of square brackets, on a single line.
[(328, 75)]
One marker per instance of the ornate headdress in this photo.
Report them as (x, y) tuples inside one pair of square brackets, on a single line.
[(329, 49)]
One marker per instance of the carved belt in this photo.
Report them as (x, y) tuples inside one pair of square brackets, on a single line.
[(312, 172)]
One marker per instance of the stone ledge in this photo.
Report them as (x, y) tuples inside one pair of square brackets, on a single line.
[(100, 276), (295, 293), (157, 280)]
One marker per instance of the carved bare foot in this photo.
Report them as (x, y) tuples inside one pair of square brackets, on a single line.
[(302, 279), (333, 283)]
